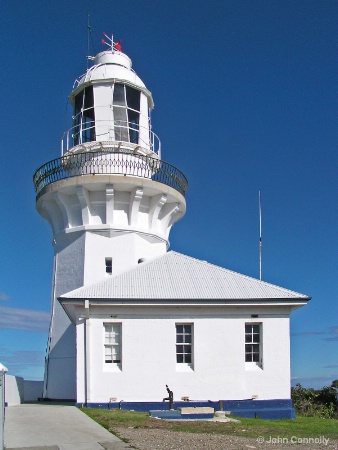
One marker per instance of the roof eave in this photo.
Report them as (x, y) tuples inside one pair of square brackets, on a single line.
[(184, 301)]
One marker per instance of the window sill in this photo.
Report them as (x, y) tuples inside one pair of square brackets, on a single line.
[(253, 366), (112, 367), (183, 367)]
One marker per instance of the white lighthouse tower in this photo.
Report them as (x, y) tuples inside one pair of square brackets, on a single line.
[(109, 199)]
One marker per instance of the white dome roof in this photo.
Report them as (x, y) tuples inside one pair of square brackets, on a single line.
[(112, 66)]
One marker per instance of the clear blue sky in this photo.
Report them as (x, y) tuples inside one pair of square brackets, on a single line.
[(244, 101)]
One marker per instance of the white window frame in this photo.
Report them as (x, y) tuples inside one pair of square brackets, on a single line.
[(112, 336), (184, 340), (253, 346)]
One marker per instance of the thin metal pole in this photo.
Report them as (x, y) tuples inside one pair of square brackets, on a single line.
[(88, 33), (260, 234)]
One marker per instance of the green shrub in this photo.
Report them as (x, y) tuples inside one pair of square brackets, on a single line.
[(316, 403)]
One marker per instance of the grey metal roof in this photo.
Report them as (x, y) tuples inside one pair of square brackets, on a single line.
[(176, 276)]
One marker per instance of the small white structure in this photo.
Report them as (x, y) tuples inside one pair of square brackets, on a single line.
[(3, 371), (134, 317)]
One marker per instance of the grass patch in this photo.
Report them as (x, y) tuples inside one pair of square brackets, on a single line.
[(301, 427)]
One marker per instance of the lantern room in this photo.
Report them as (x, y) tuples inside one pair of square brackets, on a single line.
[(111, 109)]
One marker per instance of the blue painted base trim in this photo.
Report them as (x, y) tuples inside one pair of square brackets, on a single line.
[(175, 414), (262, 409)]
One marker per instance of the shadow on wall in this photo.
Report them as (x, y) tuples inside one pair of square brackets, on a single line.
[(32, 390), (61, 367), (18, 390)]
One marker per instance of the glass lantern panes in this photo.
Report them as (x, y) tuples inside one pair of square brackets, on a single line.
[(126, 110), (84, 117)]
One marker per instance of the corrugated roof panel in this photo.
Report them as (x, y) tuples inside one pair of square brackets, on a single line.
[(177, 276)]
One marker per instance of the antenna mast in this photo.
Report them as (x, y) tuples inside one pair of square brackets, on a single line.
[(260, 234), (88, 33)]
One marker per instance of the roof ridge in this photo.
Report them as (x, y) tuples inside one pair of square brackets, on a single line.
[(174, 275)]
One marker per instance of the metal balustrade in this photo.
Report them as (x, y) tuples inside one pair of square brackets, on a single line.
[(109, 163), (113, 131)]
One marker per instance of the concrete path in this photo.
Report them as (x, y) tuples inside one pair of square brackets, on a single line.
[(55, 427)]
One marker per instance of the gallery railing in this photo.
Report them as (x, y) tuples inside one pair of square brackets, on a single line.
[(109, 163)]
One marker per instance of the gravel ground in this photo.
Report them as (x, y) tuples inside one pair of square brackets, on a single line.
[(159, 439)]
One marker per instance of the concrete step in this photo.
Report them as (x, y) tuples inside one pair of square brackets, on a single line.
[(165, 414), (188, 413)]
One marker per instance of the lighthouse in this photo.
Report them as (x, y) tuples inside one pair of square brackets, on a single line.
[(130, 318), (110, 199)]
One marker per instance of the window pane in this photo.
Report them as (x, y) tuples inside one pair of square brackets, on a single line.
[(179, 358), (89, 101), (179, 338), (255, 357), (118, 96), (179, 328), (187, 348), (133, 98), (188, 359), (187, 328)]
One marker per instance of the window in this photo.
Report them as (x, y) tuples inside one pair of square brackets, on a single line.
[(253, 341), (109, 265), (113, 343), (184, 343)]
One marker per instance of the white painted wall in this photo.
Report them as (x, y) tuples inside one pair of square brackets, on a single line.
[(79, 261), (14, 390), (125, 249), (149, 358)]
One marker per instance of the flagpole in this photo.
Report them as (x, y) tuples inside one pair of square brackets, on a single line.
[(260, 234)]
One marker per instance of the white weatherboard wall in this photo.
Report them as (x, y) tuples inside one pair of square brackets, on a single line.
[(149, 358)]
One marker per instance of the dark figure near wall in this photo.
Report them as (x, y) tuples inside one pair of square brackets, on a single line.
[(170, 398)]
